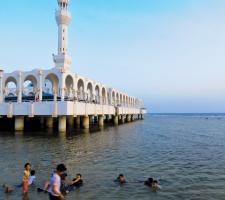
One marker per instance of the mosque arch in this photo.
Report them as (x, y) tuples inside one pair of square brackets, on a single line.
[(30, 86), (69, 83), (51, 86), (10, 86), (90, 92), (104, 95), (80, 89)]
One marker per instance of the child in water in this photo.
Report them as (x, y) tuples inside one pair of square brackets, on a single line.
[(26, 176), (121, 179), (152, 183), (32, 178)]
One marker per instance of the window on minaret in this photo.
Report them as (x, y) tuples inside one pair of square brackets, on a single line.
[(63, 38)]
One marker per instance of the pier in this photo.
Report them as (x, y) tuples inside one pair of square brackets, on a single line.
[(58, 94)]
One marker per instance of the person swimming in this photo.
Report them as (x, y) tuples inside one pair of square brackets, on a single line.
[(149, 182), (8, 188), (121, 179), (152, 183), (77, 181), (155, 185)]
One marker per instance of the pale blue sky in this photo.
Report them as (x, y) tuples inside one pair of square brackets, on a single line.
[(171, 53)]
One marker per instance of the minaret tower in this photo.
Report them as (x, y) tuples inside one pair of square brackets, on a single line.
[(63, 18)]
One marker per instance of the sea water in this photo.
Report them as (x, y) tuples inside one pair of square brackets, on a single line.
[(185, 153)]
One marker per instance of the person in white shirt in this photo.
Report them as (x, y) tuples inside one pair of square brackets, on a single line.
[(55, 183), (32, 177)]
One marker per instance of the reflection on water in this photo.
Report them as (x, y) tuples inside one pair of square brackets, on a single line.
[(185, 152)]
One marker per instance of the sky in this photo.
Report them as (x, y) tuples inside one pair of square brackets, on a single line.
[(170, 53)]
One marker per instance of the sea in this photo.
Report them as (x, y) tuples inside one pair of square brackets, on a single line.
[(184, 152)]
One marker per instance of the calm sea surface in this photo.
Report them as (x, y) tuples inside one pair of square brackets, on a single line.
[(186, 153)]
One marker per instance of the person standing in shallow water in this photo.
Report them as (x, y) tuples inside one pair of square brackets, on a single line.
[(55, 183), (26, 176)]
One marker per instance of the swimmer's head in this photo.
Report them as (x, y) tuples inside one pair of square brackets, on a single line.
[(121, 178), (154, 183), (149, 182), (32, 172), (78, 176)]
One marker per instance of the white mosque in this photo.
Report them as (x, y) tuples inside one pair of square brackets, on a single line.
[(61, 94)]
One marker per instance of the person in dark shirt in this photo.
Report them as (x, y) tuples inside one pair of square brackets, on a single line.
[(77, 181)]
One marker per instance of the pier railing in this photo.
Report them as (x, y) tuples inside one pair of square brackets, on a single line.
[(78, 96)]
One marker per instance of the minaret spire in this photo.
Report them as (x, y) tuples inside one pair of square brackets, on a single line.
[(63, 18)]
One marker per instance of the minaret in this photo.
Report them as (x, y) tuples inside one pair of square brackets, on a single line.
[(63, 18)]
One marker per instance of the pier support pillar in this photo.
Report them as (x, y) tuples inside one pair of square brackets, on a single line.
[(42, 122), (62, 124), (101, 120), (95, 119), (142, 117), (132, 118), (138, 116), (107, 118), (78, 121), (122, 119), (116, 120), (128, 118), (49, 122), (85, 122), (19, 123), (91, 119), (70, 121)]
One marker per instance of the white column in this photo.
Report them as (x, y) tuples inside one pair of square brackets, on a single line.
[(40, 85), (19, 87), (62, 86)]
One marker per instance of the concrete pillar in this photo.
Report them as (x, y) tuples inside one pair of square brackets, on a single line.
[(19, 123), (91, 119), (132, 118), (49, 122), (62, 124), (96, 119), (122, 119), (101, 120), (116, 120), (128, 118), (85, 122), (78, 121), (142, 117), (42, 122), (107, 118), (138, 116), (70, 121)]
